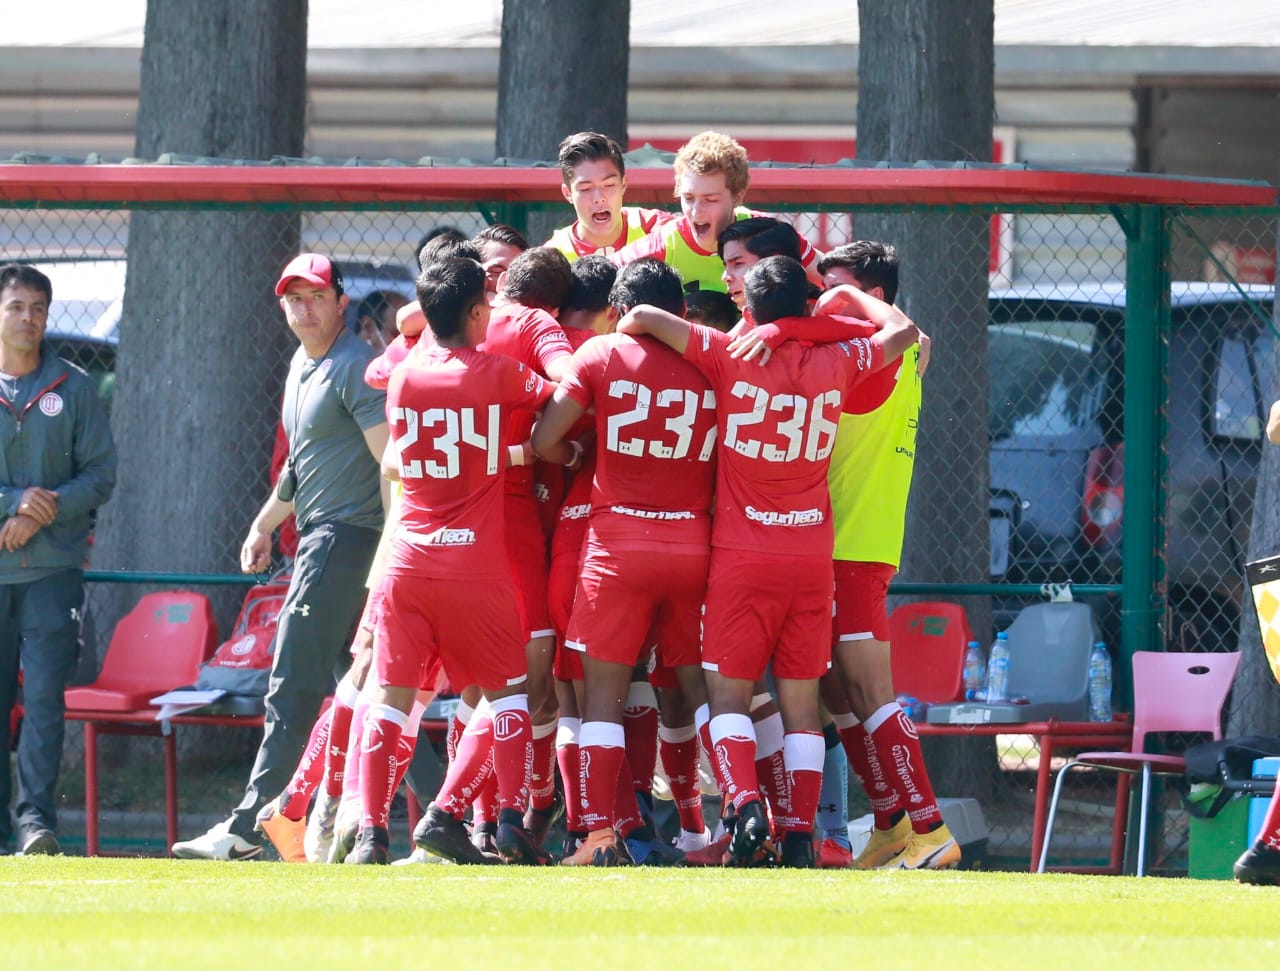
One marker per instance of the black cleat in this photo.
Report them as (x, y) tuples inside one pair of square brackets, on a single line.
[(484, 836), (538, 822), (1259, 865), (373, 845), (445, 836), (797, 850), (749, 834), (516, 845)]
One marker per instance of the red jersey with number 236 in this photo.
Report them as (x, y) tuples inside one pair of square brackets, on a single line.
[(449, 410), (655, 442), (777, 427)]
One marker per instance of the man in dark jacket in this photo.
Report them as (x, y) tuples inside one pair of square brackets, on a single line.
[(57, 465)]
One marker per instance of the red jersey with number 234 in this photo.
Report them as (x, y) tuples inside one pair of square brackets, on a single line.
[(777, 427), (449, 410)]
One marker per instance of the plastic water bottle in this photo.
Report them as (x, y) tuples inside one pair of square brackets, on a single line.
[(998, 669), (975, 671), (1099, 684)]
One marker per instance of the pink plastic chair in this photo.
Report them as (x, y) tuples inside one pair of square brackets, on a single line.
[(1173, 692)]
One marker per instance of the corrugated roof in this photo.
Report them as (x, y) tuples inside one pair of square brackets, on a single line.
[(694, 23)]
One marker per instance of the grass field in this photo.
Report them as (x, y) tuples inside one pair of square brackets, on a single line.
[(111, 913)]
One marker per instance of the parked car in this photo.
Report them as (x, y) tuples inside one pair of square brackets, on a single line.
[(1057, 444)]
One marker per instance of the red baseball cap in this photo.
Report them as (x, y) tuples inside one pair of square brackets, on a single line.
[(313, 268)]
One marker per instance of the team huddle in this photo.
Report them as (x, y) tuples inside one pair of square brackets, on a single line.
[(647, 486)]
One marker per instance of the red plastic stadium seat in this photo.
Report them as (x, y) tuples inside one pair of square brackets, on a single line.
[(157, 646), (928, 644)]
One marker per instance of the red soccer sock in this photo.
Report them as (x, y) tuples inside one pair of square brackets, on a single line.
[(298, 793), (898, 748), (679, 750), (351, 773), (771, 769), (569, 759), (457, 725), (640, 724), (512, 750), (864, 761), (804, 753), (601, 745), (335, 760), (542, 782), (734, 757), (408, 743), (1269, 835), (471, 764), (626, 810), (382, 732)]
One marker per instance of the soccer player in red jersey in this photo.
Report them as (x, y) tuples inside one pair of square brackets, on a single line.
[(711, 178), (644, 568), (499, 245), (446, 592), (523, 326), (595, 182), (769, 593)]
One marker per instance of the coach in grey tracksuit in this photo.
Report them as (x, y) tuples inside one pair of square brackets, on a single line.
[(337, 431), (57, 466)]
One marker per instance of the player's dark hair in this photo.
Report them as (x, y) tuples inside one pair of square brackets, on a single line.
[(26, 275), (501, 233), (447, 290), (593, 278), (761, 236), (776, 287), (539, 277), (588, 146), (712, 308), (648, 281), (437, 232), (872, 263), (448, 246)]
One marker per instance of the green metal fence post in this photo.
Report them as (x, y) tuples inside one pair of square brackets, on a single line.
[(1145, 390)]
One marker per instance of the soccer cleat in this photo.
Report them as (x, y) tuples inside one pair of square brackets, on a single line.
[(446, 836), (484, 837), (571, 843), (318, 838), (419, 855), (285, 834), (373, 846), (884, 845), (649, 851), (715, 853), (40, 842), (749, 834), (1259, 865), (688, 842), (538, 822), (600, 848), (833, 855), (797, 850), (346, 825), (217, 844), (515, 844), (937, 850)]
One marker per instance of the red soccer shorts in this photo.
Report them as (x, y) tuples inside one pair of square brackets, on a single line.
[(662, 676), (626, 600), (763, 608), (862, 593), (472, 627), (527, 556)]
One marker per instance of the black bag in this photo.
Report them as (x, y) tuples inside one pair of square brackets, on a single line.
[(1227, 764)]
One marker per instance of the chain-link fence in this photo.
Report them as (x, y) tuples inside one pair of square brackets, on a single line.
[(1059, 373)]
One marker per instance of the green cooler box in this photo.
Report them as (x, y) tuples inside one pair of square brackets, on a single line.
[(1217, 842)]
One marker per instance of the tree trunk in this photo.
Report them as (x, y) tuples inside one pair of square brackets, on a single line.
[(1255, 701), (926, 92), (562, 69), (203, 346)]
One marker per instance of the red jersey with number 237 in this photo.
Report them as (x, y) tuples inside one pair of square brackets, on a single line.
[(655, 443), (777, 427), (449, 410)]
